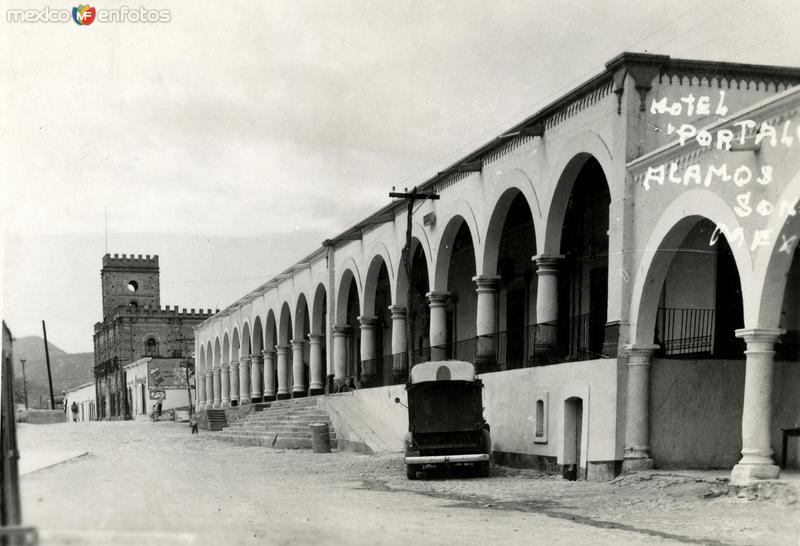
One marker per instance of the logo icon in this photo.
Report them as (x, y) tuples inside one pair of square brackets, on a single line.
[(84, 14)]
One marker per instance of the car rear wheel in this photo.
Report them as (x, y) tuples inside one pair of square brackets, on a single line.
[(411, 471)]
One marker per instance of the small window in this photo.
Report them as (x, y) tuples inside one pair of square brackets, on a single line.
[(151, 347), (133, 286), (540, 415), (134, 304), (539, 418)]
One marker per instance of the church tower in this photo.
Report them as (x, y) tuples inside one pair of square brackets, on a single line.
[(131, 281)]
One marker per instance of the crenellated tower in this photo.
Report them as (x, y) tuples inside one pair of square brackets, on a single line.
[(130, 281)]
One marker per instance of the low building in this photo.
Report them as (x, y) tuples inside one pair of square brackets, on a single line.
[(85, 396), (152, 379)]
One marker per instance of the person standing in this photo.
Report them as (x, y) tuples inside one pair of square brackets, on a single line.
[(74, 408)]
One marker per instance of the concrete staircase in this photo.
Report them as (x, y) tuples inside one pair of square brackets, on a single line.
[(283, 425), (216, 419)]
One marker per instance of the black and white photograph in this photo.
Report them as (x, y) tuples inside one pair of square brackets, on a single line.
[(347, 272)]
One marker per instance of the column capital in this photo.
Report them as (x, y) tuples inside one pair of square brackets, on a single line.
[(315, 338), (437, 299), (215, 371), (255, 357), (486, 283), (398, 312), (208, 373), (245, 362), (281, 349), (640, 355), (342, 330), (225, 366), (760, 340), (266, 352), (367, 322), (298, 343), (547, 265)]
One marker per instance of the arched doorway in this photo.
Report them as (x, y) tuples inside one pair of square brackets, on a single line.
[(583, 278)]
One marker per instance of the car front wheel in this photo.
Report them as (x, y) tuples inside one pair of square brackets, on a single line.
[(411, 471)]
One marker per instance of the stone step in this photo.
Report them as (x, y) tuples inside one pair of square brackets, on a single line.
[(260, 441), (265, 418), (271, 433), (276, 428)]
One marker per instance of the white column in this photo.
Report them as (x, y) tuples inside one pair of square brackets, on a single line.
[(757, 462), (200, 383), (438, 333), (269, 375), (255, 377), (234, 381), (244, 380), (636, 453), (368, 352), (399, 344), (217, 388), (283, 371), (209, 389), (316, 365), (298, 368), (340, 336), (225, 383), (547, 288), (486, 320)]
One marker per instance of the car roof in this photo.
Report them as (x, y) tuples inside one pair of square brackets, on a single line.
[(443, 370)]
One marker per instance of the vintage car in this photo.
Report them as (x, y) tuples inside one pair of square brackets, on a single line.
[(445, 418)]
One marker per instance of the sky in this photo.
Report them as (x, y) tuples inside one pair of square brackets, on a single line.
[(234, 138)]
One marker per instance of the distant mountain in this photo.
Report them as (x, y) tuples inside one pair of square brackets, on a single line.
[(68, 369)]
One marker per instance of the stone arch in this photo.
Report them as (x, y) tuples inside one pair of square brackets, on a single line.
[(348, 276), (201, 359), (244, 349), (550, 241), (271, 331), (209, 356), (401, 286), (217, 353), (494, 229), (319, 310), (445, 250), (302, 322), (235, 345), (257, 338), (285, 325), (776, 261), (371, 283), (226, 348), (671, 228)]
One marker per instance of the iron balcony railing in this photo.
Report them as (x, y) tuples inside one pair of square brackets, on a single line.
[(685, 331)]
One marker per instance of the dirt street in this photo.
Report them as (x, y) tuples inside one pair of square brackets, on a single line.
[(153, 483)]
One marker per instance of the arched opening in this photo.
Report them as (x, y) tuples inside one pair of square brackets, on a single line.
[(151, 347), (354, 340), (511, 232), (256, 361), (417, 313), (583, 278), (320, 376), (377, 366), (787, 374), (271, 362), (574, 447), (285, 336), (697, 375), (462, 301), (234, 369), (302, 327)]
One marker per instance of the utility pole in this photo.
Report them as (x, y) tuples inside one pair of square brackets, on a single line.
[(24, 382), (412, 196), (49, 374)]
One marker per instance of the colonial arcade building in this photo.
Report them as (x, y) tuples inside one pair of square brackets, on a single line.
[(625, 307)]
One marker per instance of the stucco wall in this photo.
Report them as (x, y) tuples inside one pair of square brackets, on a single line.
[(696, 411), (510, 399), (45, 417)]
